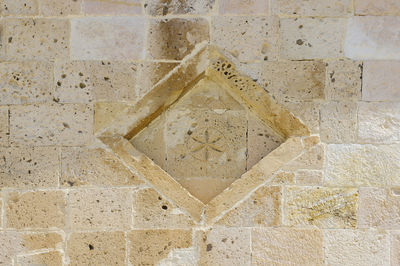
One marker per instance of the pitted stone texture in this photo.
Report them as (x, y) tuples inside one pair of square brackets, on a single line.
[(112, 7), (309, 177), (282, 177), (262, 208), (48, 258), (379, 122), (362, 165), (343, 80), (313, 8), (4, 126), (244, 7), (247, 38), (148, 247), (26, 167), (37, 39), (224, 246), (51, 124), (173, 39), (152, 210), (19, 7), (107, 38), (370, 37), (41, 209), (177, 7), (96, 248), (351, 247), (25, 82), (381, 81), (338, 122), (377, 7), (100, 208), (60, 8), (287, 246), (312, 38)]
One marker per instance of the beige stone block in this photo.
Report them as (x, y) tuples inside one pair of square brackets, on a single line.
[(26, 167), (106, 113), (247, 38), (37, 39), (51, 124), (312, 159), (112, 7), (309, 177), (152, 210), (175, 38), (379, 122), (48, 258), (395, 248), (343, 80), (307, 111), (312, 38), (372, 37), (100, 208), (26, 82), (282, 177), (362, 165), (313, 8), (60, 8), (338, 122), (244, 7), (177, 7), (320, 206), (96, 248), (224, 246), (4, 126), (148, 247), (262, 208), (107, 38), (287, 246), (356, 247), (381, 81), (19, 7), (377, 7), (41, 209)]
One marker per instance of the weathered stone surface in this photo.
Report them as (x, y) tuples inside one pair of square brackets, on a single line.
[(19, 7), (282, 177), (321, 206), (175, 7), (60, 8), (379, 122), (48, 258), (312, 38), (370, 37), (313, 8), (363, 165), (224, 246), (247, 38), (97, 248), (100, 208), (4, 126), (395, 248), (112, 7), (41, 209), (309, 177), (51, 124), (175, 38), (380, 81), (307, 111), (244, 7), (311, 159), (377, 7), (148, 247), (287, 246), (37, 39), (351, 247), (114, 38)]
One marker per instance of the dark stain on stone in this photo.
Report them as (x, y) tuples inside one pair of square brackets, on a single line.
[(82, 85), (209, 247), (299, 42), (164, 207), (91, 247)]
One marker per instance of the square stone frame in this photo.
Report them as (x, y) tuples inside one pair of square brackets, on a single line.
[(204, 61)]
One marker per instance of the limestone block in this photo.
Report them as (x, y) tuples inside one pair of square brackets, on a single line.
[(371, 37), (312, 38), (244, 7), (26, 82), (40, 209), (26, 167), (112, 7), (176, 7), (4, 126), (377, 7), (148, 247), (395, 248), (19, 7), (97, 248), (173, 39), (321, 206), (224, 246), (309, 177), (37, 39), (307, 111), (356, 247), (343, 80), (100, 208), (107, 38), (60, 8), (379, 122), (287, 246), (313, 8), (48, 258), (338, 122), (282, 177), (311, 159), (381, 81), (247, 38), (51, 124)]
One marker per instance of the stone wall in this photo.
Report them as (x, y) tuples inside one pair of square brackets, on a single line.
[(65, 66)]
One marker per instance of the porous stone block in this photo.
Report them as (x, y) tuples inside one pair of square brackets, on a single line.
[(244, 7), (19, 7), (37, 39), (313, 8), (40, 209), (287, 246), (4, 126), (356, 247), (173, 39), (51, 124), (112, 7), (177, 7), (309, 177), (48, 258), (247, 38), (107, 38), (312, 38), (60, 8), (377, 7), (100, 208), (372, 37)]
